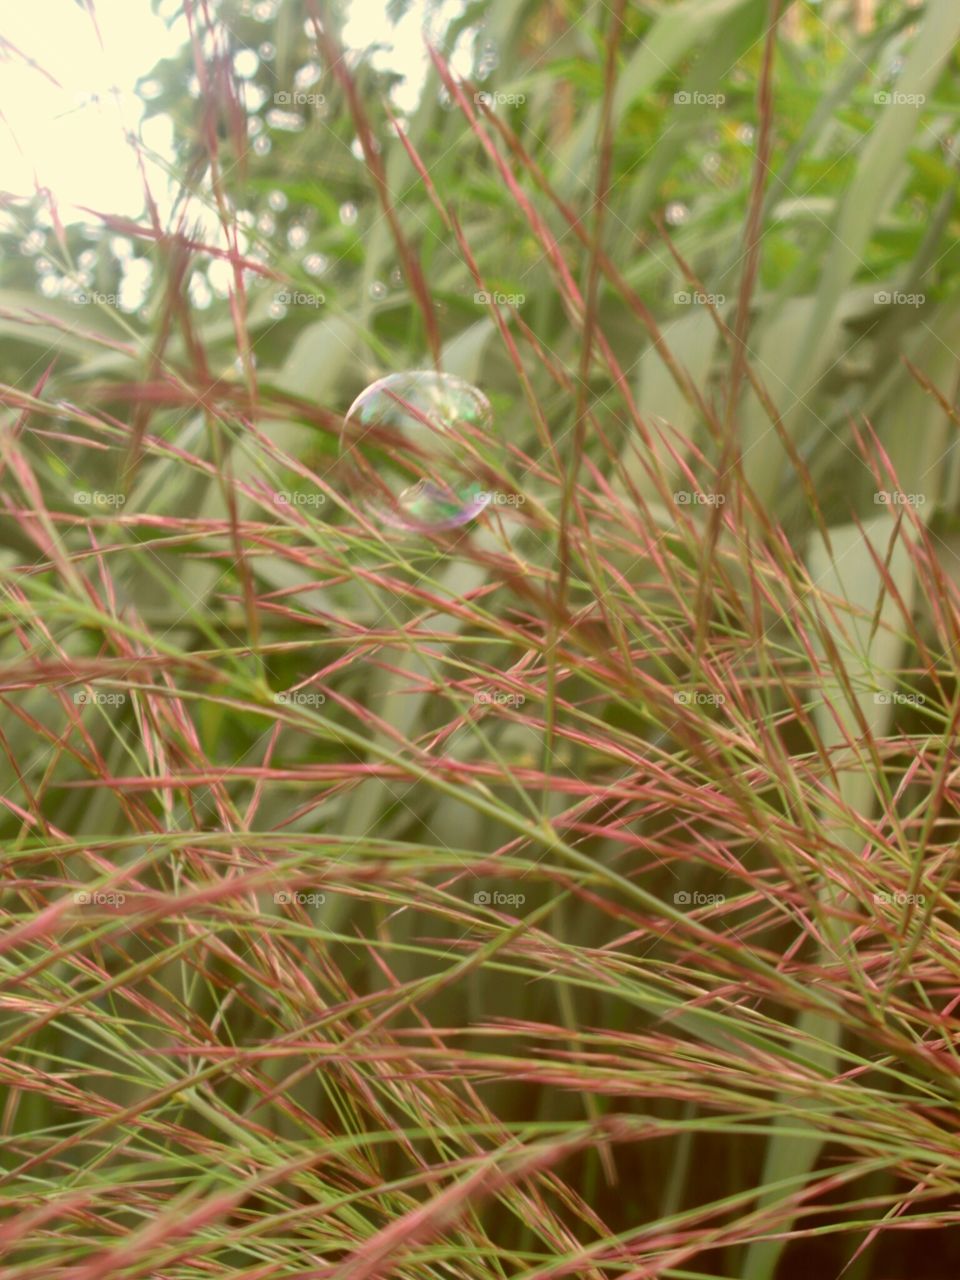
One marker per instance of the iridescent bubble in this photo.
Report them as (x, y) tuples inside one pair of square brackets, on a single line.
[(297, 235), (348, 214), (277, 201), (315, 264), (408, 451), (262, 145), (677, 213), (267, 51), (378, 290)]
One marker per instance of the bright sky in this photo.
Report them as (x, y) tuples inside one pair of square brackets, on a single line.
[(71, 138)]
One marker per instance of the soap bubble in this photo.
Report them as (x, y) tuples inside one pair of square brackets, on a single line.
[(406, 450)]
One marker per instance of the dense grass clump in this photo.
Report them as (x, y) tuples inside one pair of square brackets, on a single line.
[(559, 882)]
